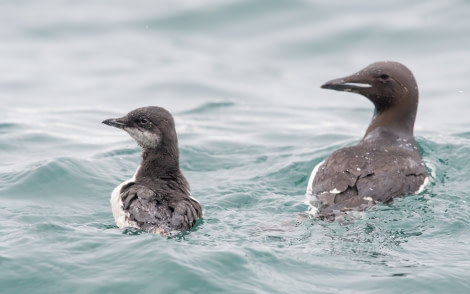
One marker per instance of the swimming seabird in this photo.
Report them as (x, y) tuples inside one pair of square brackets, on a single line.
[(386, 163), (157, 199)]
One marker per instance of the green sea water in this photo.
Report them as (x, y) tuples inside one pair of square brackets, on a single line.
[(241, 79)]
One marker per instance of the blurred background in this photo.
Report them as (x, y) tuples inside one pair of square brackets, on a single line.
[(181, 54)]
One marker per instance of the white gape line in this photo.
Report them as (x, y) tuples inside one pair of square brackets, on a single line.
[(120, 216)]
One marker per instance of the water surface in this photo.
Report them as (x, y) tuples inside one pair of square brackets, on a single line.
[(242, 81)]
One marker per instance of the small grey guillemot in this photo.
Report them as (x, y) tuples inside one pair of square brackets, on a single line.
[(386, 163), (157, 199)]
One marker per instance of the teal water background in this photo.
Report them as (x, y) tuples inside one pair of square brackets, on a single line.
[(242, 81)]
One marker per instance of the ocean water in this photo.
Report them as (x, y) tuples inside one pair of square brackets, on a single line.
[(242, 81)]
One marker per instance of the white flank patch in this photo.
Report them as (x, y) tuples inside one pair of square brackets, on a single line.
[(421, 188), (120, 216), (191, 196), (312, 176), (335, 191), (367, 198), (427, 180), (312, 210)]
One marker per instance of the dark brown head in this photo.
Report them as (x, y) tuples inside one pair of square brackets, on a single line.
[(152, 127), (392, 89)]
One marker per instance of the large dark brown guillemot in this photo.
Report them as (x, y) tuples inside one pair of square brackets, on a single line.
[(157, 199), (386, 163)]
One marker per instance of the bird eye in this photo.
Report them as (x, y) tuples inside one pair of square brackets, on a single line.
[(384, 77), (144, 121)]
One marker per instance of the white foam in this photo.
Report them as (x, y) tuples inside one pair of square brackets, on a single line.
[(312, 211)]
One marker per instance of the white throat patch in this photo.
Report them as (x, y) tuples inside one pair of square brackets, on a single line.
[(144, 138)]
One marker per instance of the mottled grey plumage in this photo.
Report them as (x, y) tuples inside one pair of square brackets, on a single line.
[(158, 198), (386, 163)]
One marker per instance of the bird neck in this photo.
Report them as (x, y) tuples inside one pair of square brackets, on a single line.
[(399, 118), (161, 162)]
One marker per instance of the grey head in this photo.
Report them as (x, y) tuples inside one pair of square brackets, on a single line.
[(391, 87), (151, 127)]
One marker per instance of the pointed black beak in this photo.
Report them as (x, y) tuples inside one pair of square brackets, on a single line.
[(115, 122), (353, 83)]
